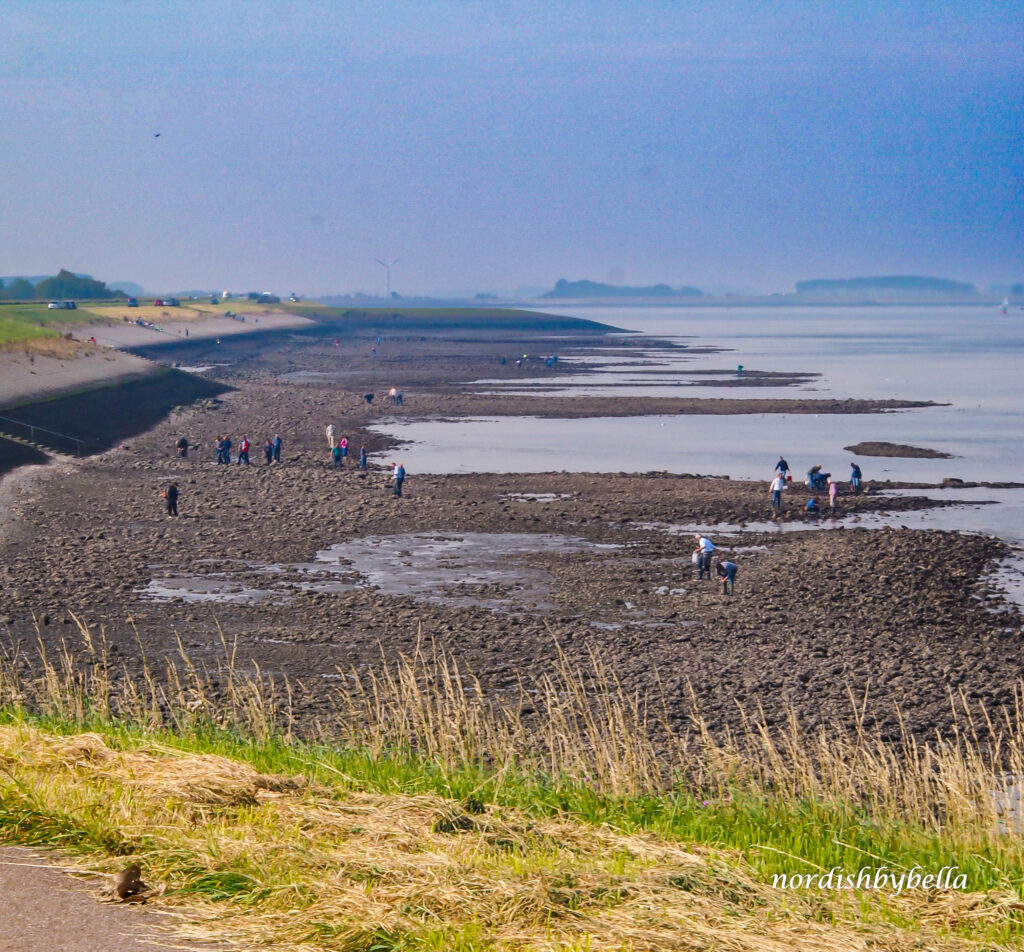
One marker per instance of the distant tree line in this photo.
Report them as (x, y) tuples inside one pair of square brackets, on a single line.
[(595, 289), (65, 285), (894, 285)]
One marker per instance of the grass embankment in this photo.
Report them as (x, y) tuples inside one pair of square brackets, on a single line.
[(21, 322), (446, 319), (35, 329), (187, 311), (425, 817)]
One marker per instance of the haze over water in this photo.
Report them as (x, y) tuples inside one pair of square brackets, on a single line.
[(968, 357)]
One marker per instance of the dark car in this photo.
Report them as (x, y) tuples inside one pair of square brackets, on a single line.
[(133, 302)]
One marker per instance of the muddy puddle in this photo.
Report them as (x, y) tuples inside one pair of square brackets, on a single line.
[(475, 568), (536, 497)]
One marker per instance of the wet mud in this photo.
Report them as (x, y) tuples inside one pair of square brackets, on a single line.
[(311, 570)]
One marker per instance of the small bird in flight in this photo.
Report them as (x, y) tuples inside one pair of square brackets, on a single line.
[(156, 135)]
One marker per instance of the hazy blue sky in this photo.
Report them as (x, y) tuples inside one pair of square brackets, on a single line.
[(491, 145)]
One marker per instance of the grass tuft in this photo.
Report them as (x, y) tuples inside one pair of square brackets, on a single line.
[(426, 815)]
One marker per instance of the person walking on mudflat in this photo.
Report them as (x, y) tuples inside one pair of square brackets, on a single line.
[(182, 445), (782, 467), (398, 475), (833, 491), (268, 450), (243, 451), (362, 457), (778, 484), (330, 436), (277, 449), (336, 456), (171, 495)]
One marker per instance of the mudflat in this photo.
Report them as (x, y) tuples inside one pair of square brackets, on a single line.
[(312, 571)]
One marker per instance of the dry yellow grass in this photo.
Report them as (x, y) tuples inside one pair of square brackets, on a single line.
[(313, 868), (586, 840), (156, 315), (57, 346), (187, 311)]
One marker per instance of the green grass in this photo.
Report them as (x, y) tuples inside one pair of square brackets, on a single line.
[(379, 833), (13, 330), (222, 866), (773, 834), (38, 315)]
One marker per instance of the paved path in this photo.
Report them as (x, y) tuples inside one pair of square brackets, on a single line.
[(44, 909)]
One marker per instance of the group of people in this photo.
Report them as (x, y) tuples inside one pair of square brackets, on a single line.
[(339, 449), (724, 568), (816, 479), (223, 444), (272, 453)]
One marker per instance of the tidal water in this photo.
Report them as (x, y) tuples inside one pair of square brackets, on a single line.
[(969, 358)]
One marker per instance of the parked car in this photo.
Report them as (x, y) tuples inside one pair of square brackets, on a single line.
[(133, 302), (158, 303), (62, 306)]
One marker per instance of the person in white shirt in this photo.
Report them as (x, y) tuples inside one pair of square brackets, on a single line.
[(778, 484), (330, 436)]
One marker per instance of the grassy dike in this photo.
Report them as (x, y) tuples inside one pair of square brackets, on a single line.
[(425, 817)]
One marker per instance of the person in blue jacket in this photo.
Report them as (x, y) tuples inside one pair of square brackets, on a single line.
[(703, 552), (726, 571), (855, 477)]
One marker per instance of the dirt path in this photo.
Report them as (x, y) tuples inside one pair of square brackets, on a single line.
[(45, 909)]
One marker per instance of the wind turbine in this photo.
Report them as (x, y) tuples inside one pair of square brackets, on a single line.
[(387, 266)]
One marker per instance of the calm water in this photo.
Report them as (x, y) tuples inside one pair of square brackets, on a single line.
[(968, 357)]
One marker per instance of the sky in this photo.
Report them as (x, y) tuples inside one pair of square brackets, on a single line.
[(490, 146)]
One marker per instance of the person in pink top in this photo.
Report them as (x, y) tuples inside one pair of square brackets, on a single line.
[(833, 491)]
